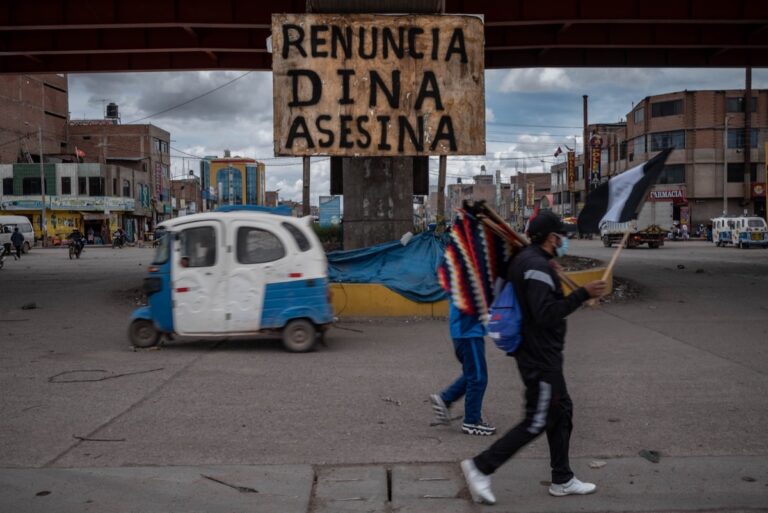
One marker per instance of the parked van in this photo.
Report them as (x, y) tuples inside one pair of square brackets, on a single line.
[(7, 225), (741, 231)]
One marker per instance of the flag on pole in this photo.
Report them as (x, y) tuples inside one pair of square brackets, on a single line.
[(558, 152), (79, 153), (620, 199)]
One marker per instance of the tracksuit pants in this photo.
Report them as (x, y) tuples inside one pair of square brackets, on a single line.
[(548, 408), (473, 380)]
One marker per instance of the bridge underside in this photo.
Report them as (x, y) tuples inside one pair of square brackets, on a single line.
[(44, 36)]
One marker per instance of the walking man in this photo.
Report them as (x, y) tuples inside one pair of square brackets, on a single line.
[(467, 332), (17, 239), (548, 407)]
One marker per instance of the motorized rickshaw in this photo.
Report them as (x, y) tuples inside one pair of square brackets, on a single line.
[(236, 273), (741, 231)]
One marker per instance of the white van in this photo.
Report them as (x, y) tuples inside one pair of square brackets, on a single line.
[(8, 223)]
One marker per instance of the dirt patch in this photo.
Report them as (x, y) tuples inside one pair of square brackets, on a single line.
[(623, 289), (571, 263), (134, 296)]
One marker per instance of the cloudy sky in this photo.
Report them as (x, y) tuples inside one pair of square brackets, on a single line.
[(529, 113)]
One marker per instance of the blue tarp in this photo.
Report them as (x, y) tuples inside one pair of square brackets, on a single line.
[(409, 270), (281, 210)]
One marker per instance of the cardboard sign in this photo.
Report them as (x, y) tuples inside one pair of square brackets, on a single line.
[(378, 85)]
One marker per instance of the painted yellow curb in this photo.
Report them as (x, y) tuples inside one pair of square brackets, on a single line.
[(375, 300)]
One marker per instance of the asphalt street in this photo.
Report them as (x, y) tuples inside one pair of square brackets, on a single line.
[(681, 370)]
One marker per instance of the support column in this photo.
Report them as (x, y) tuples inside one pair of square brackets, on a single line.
[(378, 200)]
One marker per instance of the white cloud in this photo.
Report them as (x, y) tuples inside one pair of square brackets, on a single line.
[(533, 80), (490, 117)]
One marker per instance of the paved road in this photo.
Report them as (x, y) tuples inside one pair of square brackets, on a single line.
[(683, 370)]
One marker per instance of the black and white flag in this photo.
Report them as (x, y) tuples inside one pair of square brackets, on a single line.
[(620, 199)]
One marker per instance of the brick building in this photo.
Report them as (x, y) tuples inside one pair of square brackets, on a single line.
[(145, 149), (26, 103), (186, 194), (708, 164)]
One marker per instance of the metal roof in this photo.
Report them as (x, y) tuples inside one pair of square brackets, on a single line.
[(146, 35)]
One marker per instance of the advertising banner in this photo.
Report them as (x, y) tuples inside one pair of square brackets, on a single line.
[(571, 169)]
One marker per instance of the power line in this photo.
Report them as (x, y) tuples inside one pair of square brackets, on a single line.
[(191, 99)]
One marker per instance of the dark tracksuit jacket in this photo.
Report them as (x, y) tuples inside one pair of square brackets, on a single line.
[(548, 407)]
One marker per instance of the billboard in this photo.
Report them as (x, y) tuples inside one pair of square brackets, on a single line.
[(378, 85), (330, 210)]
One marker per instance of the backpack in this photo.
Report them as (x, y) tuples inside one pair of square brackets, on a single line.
[(505, 324)]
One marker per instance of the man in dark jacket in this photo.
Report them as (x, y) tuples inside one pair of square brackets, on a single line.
[(548, 407), (17, 239)]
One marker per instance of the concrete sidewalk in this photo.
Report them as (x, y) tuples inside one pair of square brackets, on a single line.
[(624, 484)]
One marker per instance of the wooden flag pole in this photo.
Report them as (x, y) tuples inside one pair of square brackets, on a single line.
[(611, 264)]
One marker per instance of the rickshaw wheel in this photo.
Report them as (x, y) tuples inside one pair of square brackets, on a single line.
[(299, 336), (142, 333)]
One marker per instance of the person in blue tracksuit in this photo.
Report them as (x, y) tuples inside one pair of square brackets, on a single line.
[(467, 332)]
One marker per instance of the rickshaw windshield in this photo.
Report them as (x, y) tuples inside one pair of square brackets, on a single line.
[(756, 223), (163, 251)]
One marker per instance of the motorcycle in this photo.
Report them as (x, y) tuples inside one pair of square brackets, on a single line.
[(76, 248), (118, 241)]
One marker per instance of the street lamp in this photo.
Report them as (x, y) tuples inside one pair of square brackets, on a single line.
[(43, 231)]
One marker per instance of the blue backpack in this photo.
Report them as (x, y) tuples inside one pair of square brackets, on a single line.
[(505, 325)]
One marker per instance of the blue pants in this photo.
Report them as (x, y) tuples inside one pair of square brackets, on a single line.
[(473, 380)]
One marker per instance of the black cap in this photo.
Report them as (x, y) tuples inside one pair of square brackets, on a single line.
[(543, 224)]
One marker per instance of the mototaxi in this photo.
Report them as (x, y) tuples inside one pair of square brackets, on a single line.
[(741, 231), (236, 273)]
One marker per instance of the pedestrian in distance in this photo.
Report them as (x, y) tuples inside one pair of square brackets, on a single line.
[(17, 239), (548, 407), (467, 332)]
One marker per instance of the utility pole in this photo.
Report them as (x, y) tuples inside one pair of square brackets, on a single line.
[(440, 217), (305, 188), (587, 160), (43, 229), (725, 167)]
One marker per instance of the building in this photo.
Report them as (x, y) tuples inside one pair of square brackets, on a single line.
[(185, 195), (714, 167), (232, 181), (95, 198), (144, 149), (271, 198), (95, 174), (34, 108)]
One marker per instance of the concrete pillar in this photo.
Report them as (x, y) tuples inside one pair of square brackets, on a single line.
[(378, 200)]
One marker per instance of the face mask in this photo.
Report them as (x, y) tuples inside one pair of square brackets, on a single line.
[(562, 249)]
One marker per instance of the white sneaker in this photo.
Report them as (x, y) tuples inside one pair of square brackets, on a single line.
[(572, 487), (479, 483), (440, 409)]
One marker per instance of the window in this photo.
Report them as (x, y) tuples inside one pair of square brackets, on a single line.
[(638, 144), (96, 186), (640, 115), (8, 186), (672, 173), (66, 185), (82, 186), (160, 146), (622, 150), (663, 140), (670, 108), (163, 250), (198, 246), (756, 223), (736, 172), (301, 240), (114, 187), (255, 246), (30, 186), (736, 138), (737, 104), (126, 189)]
